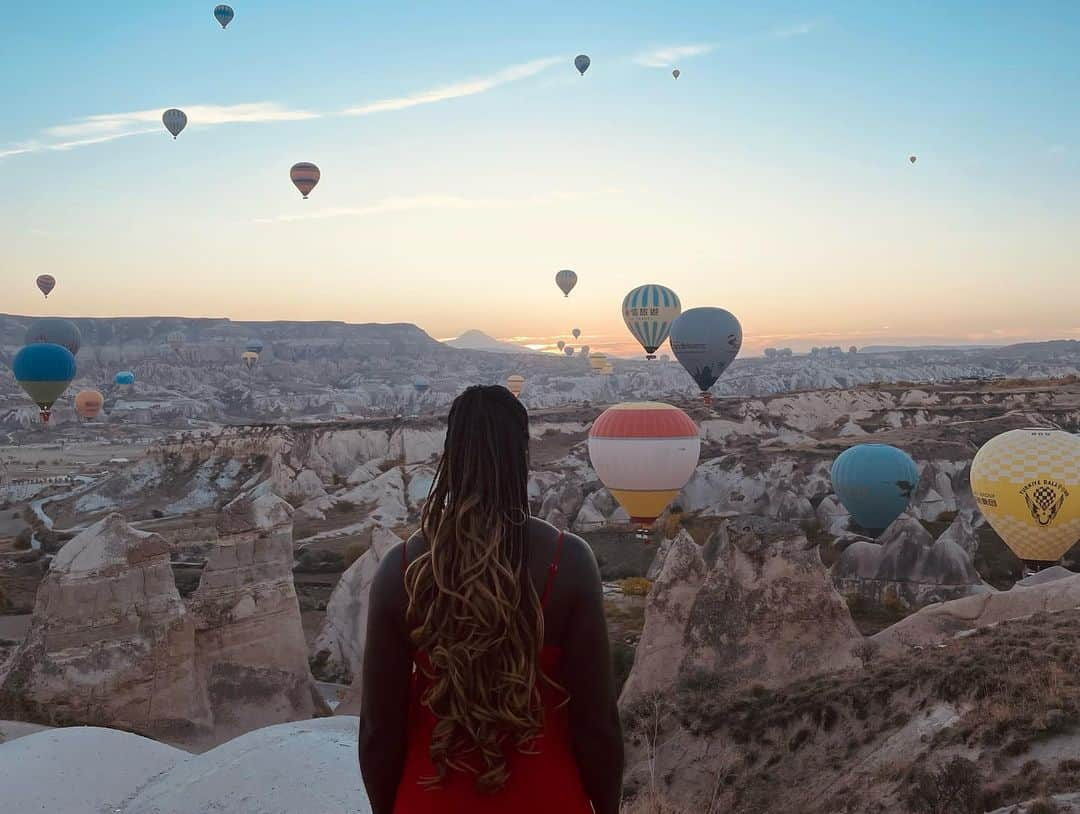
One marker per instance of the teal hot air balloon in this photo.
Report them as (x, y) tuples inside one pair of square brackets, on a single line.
[(125, 378), (54, 331), (421, 385), (649, 311), (582, 63), (254, 346), (706, 341), (224, 15), (44, 371), (875, 482)]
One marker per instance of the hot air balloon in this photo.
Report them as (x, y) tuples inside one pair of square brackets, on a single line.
[(560, 344), (224, 15), (706, 341), (644, 453), (912, 158), (582, 62), (607, 369), (88, 403), (421, 385), (576, 333), (515, 384), (568, 350), (875, 482), (676, 73), (175, 340), (46, 283), (566, 280), (174, 120), (255, 346), (125, 378), (1027, 485), (304, 177), (54, 331), (249, 359), (597, 361), (44, 371), (648, 312), (584, 351)]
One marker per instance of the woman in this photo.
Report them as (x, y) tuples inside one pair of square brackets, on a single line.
[(510, 707)]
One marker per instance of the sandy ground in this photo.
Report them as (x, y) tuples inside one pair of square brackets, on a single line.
[(14, 627), (47, 459)]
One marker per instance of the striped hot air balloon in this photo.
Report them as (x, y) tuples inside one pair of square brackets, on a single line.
[(46, 283), (174, 120), (54, 331), (515, 384), (644, 453), (44, 371), (88, 403), (305, 176), (249, 359), (566, 280), (1027, 484), (648, 312)]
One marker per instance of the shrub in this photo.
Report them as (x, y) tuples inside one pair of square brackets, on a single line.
[(1044, 805), (23, 540), (635, 586), (956, 788)]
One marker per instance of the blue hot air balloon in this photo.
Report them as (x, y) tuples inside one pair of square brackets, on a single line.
[(224, 15), (648, 312), (421, 385), (582, 63), (54, 331), (44, 371), (706, 341), (875, 482), (125, 377), (254, 346)]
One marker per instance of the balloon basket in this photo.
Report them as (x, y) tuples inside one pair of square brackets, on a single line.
[(44, 416), (706, 399)]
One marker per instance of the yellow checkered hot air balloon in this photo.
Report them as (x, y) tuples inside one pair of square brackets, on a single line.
[(1027, 485)]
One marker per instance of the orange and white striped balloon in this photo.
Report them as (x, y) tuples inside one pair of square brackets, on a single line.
[(305, 176), (644, 452)]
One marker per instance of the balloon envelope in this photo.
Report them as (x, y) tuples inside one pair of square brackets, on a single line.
[(174, 120), (560, 344), (584, 350), (249, 359), (644, 453), (676, 73), (568, 350), (125, 377), (224, 15), (515, 384), (1027, 485), (46, 283), (706, 341), (582, 63), (566, 280), (88, 403), (54, 331), (305, 176), (912, 158), (44, 371), (649, 311), (875, 482), (255, 346), (421, 385), (577, 333)]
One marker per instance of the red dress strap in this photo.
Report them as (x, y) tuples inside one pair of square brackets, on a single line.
[(553, 569)]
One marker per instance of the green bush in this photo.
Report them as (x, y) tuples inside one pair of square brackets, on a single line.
[(23, 540)]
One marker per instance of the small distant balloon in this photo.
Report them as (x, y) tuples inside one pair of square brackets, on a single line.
[(515, 384), (125, 378), (421, 385), (912, 158), (584, 351), (676, 73), (249, 359), (582, 63), (568, 350), (577, 333), (88, 403), (174, 120), (255, 346), (597, 361), (54, 331), (46, 283), (224, 15), (560, 344), (566, 280), (304, 177)]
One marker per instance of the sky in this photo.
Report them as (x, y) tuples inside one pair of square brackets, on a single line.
[(464, 161)]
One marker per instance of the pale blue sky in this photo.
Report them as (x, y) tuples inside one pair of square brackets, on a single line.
[(465, 161)]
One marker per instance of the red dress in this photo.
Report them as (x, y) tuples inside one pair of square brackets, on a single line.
[(540, 783)]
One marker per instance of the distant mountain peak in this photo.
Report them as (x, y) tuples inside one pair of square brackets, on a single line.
[(478, 340)]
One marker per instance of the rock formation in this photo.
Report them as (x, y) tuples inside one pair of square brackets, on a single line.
[(754, 607), (907, 565), (113, 644), (338, 652)]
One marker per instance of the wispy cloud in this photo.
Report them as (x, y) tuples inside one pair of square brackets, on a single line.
[(406, 203), (796, 30), (61, 146), (457, 90), (198, 116), (668, 56)]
